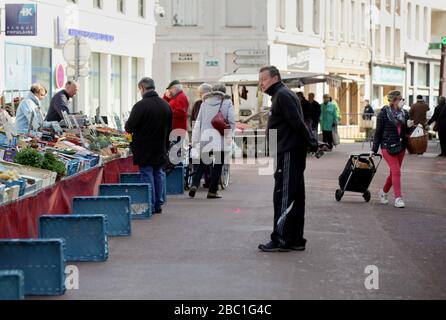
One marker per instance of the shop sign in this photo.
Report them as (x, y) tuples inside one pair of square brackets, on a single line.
[(184, 57), (21, 19), (91, 35), (298, 58), (256, 62), (60, 76), (389, 76), (212, 63), (250, 53)]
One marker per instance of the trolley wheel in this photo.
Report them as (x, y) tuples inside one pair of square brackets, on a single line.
[(339, 195), (367, 196)]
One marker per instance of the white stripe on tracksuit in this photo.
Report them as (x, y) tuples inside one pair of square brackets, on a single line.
[(285, 194)]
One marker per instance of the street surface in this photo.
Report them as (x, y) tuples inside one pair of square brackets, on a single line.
[(201, 249)]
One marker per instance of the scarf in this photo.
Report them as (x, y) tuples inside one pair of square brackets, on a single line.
[(397, 118)]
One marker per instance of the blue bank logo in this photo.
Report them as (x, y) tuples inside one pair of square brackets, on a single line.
[(26, 14)]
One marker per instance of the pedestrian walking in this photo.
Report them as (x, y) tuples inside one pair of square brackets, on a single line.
[(391, 135), (315, 113), (29, 115), (179, 105), (418, 112), (212, 145), (306, 109), (367, 116), (368, 111), (60, 102), (329, 121), (293, 142), (150, 123), (439, 118), (203, 89)]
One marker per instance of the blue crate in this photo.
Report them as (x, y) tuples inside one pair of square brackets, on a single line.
[(175, 181), (12, 285), (72, 167), (42, 262), (140, 195), (128, 178), (117, 210), (84, 235), (21, 183)]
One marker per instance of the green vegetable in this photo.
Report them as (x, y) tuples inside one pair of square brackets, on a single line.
[(33, 158), (50, 162), (29, 157)]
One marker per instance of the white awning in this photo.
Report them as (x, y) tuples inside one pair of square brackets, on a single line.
[(351, 78)]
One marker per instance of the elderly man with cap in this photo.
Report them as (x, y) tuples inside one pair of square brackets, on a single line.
[(179, 105)]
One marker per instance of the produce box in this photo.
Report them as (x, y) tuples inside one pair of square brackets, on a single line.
[(48, 177), (2, 193), (12, 194), (21, 183)]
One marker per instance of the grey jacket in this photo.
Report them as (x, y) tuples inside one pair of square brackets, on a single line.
[(204, 135)]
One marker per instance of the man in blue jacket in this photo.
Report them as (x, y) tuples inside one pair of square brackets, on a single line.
[(294, 140)]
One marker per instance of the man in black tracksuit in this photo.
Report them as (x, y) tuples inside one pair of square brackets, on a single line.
[(293, 142)]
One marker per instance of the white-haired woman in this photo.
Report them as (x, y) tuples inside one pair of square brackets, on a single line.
[(209, 141)]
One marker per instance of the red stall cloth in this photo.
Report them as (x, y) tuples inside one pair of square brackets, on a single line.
[(20, 218), (114, 168)]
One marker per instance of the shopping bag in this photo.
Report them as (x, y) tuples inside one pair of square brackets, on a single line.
[(336, 138), (418, 132)]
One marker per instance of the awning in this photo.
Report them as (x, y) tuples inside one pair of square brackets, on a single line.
[(292, 80), (351, 78)]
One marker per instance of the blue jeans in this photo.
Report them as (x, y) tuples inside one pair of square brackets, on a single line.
[(156, 177)]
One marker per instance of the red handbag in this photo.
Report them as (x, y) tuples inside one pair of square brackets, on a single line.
[(220, 123)]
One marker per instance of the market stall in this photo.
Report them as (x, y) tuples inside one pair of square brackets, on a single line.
[(41, 171)]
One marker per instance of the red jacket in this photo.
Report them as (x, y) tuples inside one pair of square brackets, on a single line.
[(180, 110)]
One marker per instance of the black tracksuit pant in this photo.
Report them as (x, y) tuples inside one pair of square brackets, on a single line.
[(289, 198)]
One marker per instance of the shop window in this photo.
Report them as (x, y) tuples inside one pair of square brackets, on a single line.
[(436, 76), (412, 74), (423, 75), (94, 92), (135, 91), (116, 84)]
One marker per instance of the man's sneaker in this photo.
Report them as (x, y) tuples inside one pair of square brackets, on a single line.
[(273, 247), (399, 203), (158, 211), (193, 191), (383, 197), (214, 196)]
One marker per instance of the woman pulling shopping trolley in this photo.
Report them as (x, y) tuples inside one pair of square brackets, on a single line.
[(391, 135)]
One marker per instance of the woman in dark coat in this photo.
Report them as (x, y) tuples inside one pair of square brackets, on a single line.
[(391, 136)]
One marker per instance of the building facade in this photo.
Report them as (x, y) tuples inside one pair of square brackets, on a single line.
[(119, 33), (206, 39), (373, 46)]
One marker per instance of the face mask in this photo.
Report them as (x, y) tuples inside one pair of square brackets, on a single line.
[(401, 104)]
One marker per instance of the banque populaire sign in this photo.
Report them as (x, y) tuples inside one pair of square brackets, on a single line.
[(21, 19)]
